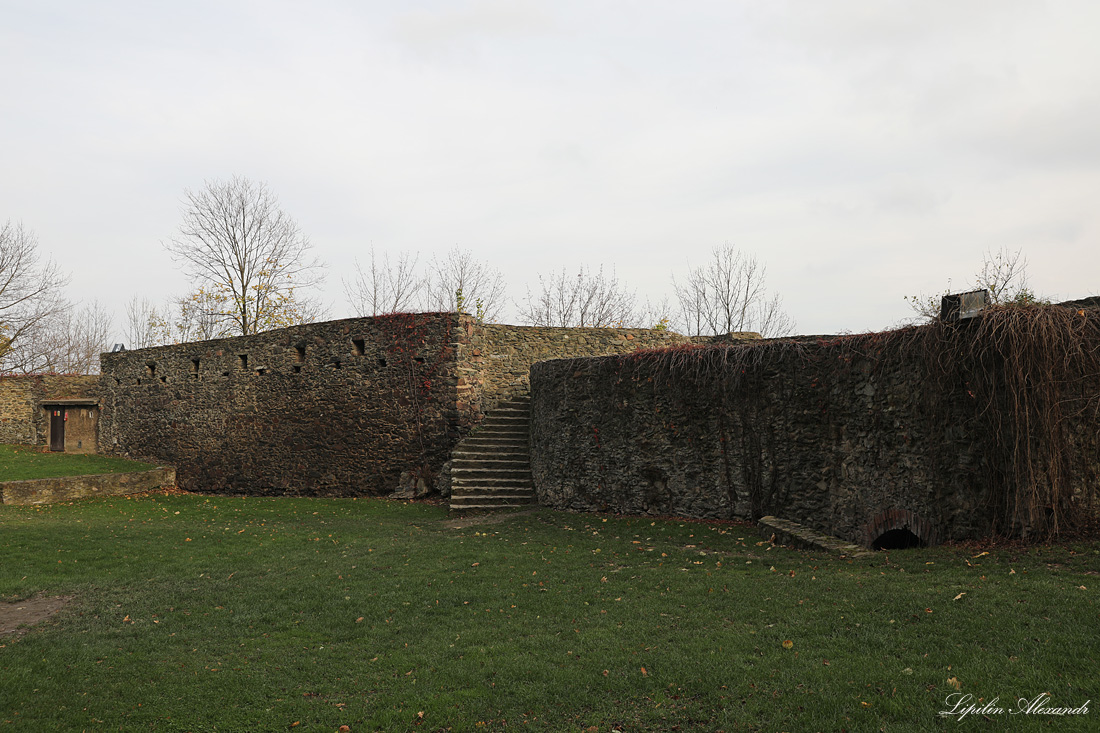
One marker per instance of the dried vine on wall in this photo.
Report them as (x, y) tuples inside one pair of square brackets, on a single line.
[(1025, 379)]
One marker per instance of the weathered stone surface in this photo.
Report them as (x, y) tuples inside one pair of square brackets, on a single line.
[(499, 357), (337, 408), (67, 488), (341, 408), (844, 451), (793, 534), (23, 421)]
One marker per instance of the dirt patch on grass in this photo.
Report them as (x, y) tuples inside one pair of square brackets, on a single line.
[(493, 518), (18, 617)]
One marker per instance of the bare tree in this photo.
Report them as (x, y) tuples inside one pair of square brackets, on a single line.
[(728, 294), (30, 295), (69, 341), (459, 282), (385, 286), (585, 299), (236, 240), (200, 315), (79, 337), (1003, 273), (146, 324)]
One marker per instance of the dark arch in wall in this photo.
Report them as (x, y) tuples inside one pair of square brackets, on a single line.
[(899, 528)]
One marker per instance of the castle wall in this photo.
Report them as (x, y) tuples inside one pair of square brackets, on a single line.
[(24, 422), (848, 440), (341, 408), (498, 358)]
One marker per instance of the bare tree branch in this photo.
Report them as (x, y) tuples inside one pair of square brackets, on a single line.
[(236, 239), (584, 300), (458, 276), (728, 295), (30, 295), (1003, 273), (385, 287)]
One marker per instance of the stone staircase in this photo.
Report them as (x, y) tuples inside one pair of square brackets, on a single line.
[(491, 467)]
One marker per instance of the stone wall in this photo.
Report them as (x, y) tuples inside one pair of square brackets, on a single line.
[(21, 419), (837, 439), (359, 406), (67, 488), (340, 408), (498, 358)]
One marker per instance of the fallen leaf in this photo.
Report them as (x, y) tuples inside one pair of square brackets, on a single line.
[(788, 644), (954, 682), (959, 596), (359, 620), (644, 673)]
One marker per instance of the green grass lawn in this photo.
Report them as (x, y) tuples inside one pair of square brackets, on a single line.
[(21, 462), (195, 613)]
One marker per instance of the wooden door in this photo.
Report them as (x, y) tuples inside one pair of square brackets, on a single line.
[(57, 429)]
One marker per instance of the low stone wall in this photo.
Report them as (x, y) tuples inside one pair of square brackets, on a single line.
[(498, 358), (21, 420), (67, 488), (838, 438)]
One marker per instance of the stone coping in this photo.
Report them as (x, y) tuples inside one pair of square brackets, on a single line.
[(795, 535), (67, 488)]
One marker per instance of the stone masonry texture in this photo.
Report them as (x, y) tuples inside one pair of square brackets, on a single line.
[(343, 408), (724, 432), (22, 421)]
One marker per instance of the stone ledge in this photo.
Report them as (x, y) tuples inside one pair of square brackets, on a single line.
[(795, 535), (67, 488)]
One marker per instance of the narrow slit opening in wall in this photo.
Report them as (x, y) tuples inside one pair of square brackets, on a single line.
[(244, 361), (382, 361), (195, 367), (358, 346), (151, 368), (297, 368), (261, 371), (336, 364), (164, 379), (300, 354), (418, 359), (897, 539)]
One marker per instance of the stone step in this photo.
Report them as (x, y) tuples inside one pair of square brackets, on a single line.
[(465, 502), (494, 443), (465, 459), (491, 467), (509, 413), (468, 491), (490, 486), (497, 474), (476, 509), (520, 462)]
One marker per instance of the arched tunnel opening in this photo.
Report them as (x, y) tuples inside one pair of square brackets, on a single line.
[(897, 539)]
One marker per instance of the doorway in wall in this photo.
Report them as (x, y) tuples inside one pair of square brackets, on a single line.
[(57, 429)]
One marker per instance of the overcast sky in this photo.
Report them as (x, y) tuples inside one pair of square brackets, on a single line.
[(862, 149)]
